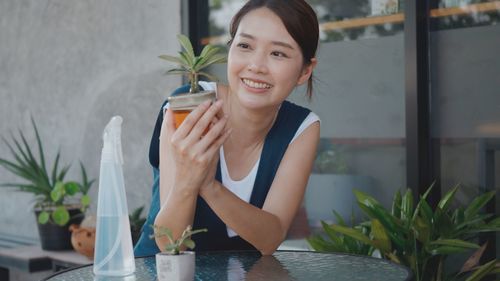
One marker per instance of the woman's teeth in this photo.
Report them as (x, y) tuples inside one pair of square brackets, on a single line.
[(256, 85)]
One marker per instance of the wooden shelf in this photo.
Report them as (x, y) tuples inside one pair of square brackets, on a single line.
[(399, 18), (379, 20)]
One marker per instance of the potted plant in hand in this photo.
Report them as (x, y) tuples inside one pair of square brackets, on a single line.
[(187, 63), (173, 263), (58, 203)]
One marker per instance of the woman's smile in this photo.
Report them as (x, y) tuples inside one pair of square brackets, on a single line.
[(254, 85)]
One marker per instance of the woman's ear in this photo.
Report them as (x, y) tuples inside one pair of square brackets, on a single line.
[(307, 71)]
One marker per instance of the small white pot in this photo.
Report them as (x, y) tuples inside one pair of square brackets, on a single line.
[(175, 267)]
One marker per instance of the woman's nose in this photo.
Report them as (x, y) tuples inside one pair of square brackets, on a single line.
[(257, 64)]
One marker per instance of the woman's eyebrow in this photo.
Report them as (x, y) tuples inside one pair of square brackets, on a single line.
[(278, 43)]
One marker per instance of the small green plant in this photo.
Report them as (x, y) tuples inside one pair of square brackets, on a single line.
[(136, 223), (174, 246), (187, 63), (418, 236), (53, 195)]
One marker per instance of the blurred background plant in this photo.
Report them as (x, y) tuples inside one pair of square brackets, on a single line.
[(54, 196), (136, 222), (330, 159)]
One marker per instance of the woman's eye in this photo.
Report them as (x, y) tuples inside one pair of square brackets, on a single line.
[(279, 54), (243, 45)]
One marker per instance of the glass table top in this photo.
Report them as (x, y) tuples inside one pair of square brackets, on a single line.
[(282, 265)]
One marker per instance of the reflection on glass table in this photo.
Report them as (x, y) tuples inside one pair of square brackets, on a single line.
[(282, 265)]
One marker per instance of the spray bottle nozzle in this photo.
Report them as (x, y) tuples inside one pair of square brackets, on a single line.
[(112, 149)]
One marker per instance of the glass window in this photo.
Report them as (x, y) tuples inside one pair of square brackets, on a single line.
[(465, 97)]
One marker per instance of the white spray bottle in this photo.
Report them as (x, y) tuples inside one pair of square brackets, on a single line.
[(113, 248)]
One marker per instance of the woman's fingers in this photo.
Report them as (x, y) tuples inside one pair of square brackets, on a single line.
[(191, 120), (212, 135), (204, 122)]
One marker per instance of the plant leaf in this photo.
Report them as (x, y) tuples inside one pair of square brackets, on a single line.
[(177, 71), (60, 216), (407, 206), (455, 243), (446, 200), (473, 260), (477, 204), (174, 59), (186, 44), (396, 205), (353, 233), (189, 243), (380, 236), (71, 188), (58, 192), (43, 217), (85, 201), (482, 271)]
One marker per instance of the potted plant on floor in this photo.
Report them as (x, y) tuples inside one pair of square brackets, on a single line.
[(172, 263), (58, 203), (187, 63), (331, 184), (418, 236)]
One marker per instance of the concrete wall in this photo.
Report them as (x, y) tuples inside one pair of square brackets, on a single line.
[(72, 65)]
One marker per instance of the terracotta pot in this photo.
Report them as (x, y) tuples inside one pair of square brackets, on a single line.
[(83, 240), (175, 267)]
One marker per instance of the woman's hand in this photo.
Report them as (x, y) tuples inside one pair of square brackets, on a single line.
[(189, 151)]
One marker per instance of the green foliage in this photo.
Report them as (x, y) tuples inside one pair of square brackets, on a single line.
[(338, 242), (136, 223), (418, 236), (174, 246), (187, 63), (52, 192)]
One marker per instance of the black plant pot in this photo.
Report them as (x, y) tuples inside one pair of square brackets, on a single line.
[(54, 237)]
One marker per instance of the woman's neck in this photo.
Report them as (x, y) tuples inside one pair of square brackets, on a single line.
[(249, 127)]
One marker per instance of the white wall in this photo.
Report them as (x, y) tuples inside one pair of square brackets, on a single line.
[(72, 65)]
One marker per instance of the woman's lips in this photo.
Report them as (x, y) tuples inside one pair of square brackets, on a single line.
[(257, 85)]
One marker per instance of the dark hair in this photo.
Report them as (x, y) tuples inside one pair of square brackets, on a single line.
[(299, 19)]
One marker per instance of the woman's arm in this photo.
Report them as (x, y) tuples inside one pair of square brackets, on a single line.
[(266, 228), (188, 161)]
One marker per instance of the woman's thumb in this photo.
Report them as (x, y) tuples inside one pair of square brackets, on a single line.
[(168, 125)]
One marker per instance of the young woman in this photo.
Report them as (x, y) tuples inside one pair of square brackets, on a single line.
[(245, 179)]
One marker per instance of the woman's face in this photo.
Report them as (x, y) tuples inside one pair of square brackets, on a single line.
[(264, 61)]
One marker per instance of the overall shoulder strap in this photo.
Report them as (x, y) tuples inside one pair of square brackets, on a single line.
[(289, 119)]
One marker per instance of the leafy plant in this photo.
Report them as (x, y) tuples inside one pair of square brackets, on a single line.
[(136, 223), (53, 195), (174, 246), (191, 65), (340, 243), (418, 236)]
